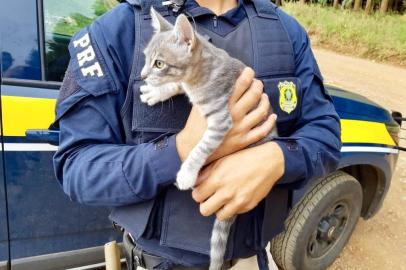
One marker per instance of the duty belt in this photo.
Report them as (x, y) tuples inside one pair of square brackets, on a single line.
[(135, 257)]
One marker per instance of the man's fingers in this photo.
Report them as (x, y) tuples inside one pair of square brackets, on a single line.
[(242, 84), (204, 190), (214, 203), (204, 174), (260, 132), (228, 211), (259, 114), (249, 99)]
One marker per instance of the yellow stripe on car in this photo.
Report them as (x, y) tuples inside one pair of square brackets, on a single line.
[(357, 131), (22, 113)]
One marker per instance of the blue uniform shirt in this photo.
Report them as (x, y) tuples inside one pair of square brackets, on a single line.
[(94, 164)]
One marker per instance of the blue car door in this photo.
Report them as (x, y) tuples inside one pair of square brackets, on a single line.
[(45, 227), (4, 247)]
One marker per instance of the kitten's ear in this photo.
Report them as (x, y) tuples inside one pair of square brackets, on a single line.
[(185, 32), (159, 23)]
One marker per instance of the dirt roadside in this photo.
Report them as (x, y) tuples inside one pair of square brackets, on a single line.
[(378, 243)]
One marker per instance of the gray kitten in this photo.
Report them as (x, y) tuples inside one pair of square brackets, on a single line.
[(180, 61)]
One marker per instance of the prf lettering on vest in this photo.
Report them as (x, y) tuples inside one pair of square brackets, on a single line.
[(87, 55)]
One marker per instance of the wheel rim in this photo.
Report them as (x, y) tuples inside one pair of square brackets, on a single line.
[(329, 230)]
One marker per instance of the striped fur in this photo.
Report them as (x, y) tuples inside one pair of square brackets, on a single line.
[(218, 242), (190, 64)]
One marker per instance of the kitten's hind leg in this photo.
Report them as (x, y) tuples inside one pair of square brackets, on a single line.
[(152, 95), (217, 128)]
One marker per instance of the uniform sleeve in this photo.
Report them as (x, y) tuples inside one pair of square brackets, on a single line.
[(93, 163), (313, 149)]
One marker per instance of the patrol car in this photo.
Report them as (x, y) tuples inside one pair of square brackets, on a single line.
[(40, 228)]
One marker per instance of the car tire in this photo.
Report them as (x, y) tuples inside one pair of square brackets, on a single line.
[(320, 224)]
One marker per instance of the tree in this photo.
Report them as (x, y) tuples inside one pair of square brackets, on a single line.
[(346, 4), (397, 6), (357, 5), (368, 6), (335, 3), (384, 6)]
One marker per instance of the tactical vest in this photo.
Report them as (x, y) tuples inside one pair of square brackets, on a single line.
[(261, 42)]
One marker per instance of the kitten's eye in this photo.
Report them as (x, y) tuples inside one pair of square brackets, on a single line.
[(159, 64)]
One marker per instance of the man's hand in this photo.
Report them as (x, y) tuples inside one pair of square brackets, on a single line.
[(236, 183), (249, 107)]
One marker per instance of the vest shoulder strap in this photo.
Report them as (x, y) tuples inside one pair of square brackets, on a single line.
[(146, 5), (265, 8), (132, 2)]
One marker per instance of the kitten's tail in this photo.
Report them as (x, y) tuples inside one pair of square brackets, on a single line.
[(218, 242)]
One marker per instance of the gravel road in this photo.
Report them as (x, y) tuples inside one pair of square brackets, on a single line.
[(379, 243)]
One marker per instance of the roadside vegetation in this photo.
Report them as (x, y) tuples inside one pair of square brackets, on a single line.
[(378, 36)]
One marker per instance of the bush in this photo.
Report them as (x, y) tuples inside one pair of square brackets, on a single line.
[(375, 36)]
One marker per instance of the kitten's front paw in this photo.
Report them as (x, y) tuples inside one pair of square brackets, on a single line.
[(150, 95), (185, 179)]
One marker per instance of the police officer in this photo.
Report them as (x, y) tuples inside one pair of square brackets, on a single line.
[(116, 151)]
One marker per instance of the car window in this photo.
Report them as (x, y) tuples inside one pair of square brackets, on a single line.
[(20, 58), (63, 18)]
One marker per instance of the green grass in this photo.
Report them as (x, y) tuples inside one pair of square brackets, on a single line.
[(375, 36)]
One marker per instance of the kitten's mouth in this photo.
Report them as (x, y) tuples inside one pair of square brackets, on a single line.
[(151, 82)]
